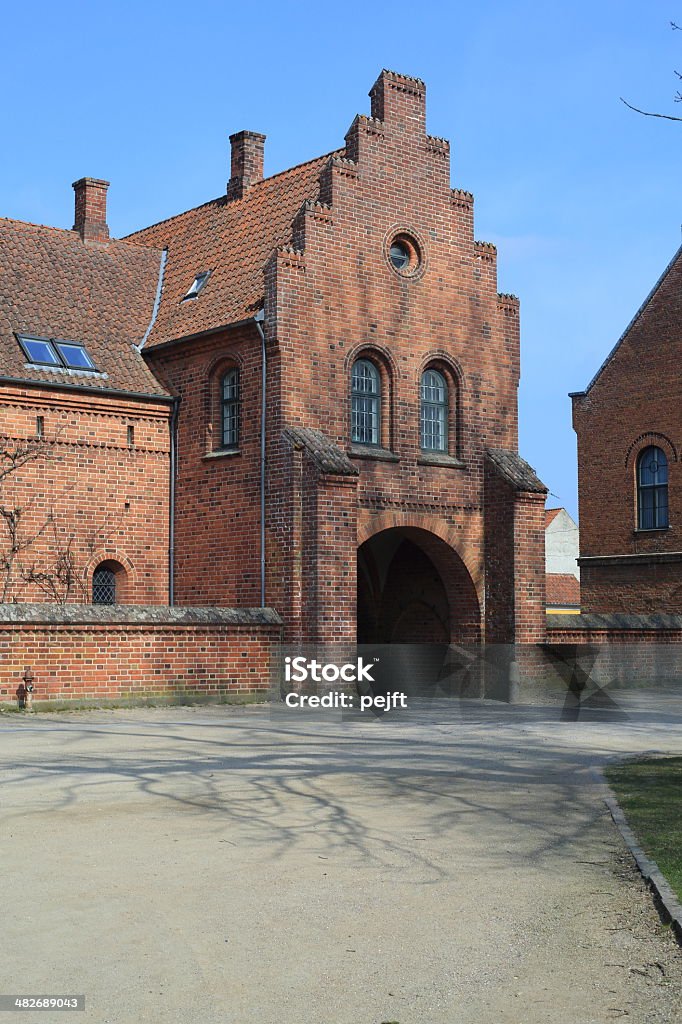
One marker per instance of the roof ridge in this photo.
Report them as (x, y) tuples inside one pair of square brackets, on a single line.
[(70, 233), (233, 202), (35, 224)]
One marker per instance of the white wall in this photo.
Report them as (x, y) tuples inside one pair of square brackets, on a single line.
[(562, 545)]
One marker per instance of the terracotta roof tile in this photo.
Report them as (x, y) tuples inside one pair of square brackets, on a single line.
[(53, 285), (563, 589), (551, 514), (233, 239)]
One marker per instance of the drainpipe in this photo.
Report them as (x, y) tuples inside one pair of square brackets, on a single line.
[(258, 320), (171, 500)]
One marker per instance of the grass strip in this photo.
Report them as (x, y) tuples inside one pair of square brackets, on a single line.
[(650, 793)]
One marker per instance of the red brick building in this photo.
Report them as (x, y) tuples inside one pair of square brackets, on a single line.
[(629, 427), (321, 380), (84, 423)]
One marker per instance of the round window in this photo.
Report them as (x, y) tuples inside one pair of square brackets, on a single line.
[(400, 257), (404, 254)]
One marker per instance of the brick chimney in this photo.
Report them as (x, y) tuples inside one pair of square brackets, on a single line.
[(247, 162), (91, 209)]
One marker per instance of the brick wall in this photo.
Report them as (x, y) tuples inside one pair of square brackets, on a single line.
[(514, 561), (649, 585), (84, 653), (93, 489), (217, 523)]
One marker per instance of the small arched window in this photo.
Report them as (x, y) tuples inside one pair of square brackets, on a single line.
[(652, 489), (434, 412), (365, 403), (229, 396), (104, 584)]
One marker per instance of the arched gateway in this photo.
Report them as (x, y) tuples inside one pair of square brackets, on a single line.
[(413, 587)]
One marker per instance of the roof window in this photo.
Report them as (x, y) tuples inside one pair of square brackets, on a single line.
[(59, 354), (198, 283), (74, 356)]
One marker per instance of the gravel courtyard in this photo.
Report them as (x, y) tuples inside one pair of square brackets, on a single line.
[(243, 866)]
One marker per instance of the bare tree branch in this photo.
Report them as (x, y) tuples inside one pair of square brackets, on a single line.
[(677, 98), (55, 570), (14, 455), (648, 113), (58, 580)]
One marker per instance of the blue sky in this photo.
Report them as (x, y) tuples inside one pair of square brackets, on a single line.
[(581, 195)]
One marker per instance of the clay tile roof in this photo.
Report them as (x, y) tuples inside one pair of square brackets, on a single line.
[(551, 514), (562, 588), (516, 470), (233, 239), (324, 453), (54, 286)]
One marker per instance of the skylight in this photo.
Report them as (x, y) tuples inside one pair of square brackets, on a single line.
[(198, 283), (38, 350), (59, 354), (74, 356)]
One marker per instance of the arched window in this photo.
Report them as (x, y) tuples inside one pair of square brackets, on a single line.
[(104, 584), (652, 489), (365, 403), (434, 412), (229, 391)]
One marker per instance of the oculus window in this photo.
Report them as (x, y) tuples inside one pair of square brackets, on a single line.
[(404, 255), (400, 256)]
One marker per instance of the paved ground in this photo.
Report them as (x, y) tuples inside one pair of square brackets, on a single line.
[(217, 865)]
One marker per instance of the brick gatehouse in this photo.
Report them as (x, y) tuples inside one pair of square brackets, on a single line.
[(300, 395)]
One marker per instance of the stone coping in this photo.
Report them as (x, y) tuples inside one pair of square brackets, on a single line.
[(46, 614), (613, 621)]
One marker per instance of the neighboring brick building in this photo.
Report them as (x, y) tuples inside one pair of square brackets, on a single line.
[(374, 483), (629, 427), (87, 422)]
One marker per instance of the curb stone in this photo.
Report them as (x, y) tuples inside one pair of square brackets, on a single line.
[(648, 868)]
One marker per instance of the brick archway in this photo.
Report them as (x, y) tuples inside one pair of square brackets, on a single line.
[(370, 526), (414, 587)]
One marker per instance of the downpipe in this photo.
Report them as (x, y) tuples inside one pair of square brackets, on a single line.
[(258, 320)]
